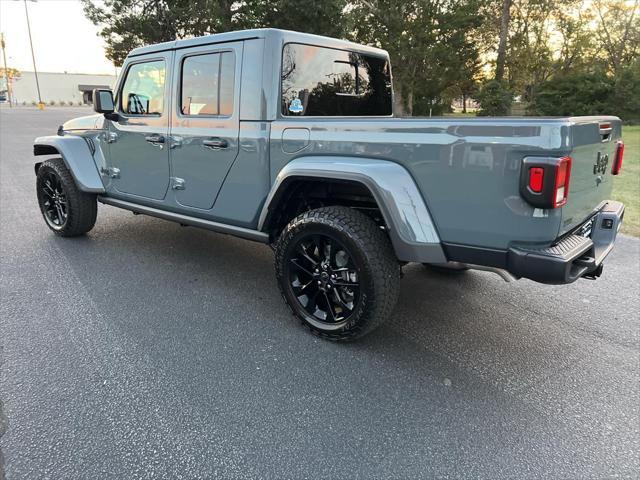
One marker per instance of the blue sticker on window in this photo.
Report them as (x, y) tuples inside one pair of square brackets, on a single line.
[(296, 106)]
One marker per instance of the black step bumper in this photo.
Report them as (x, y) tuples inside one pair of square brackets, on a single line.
[(578, 255)]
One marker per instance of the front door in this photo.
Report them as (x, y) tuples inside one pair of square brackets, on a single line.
[(205, 123), (139, 139)]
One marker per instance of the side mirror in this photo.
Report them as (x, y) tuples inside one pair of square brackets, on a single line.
[(103, 101)]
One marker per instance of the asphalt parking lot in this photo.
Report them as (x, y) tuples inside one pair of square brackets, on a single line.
[(147, 350)]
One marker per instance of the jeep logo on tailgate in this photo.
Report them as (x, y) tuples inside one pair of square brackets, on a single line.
[(601, 164)]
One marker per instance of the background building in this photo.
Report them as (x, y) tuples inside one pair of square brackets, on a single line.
[(69, 88)]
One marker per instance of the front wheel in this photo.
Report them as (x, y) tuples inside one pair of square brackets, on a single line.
[(67, 211), (337, 271)]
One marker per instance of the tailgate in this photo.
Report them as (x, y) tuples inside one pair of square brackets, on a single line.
[(593, 141)]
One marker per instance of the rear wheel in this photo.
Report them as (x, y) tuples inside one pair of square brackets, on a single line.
[(337, 271), (67, 211)]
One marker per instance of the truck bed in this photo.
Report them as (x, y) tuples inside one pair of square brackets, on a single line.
[(468, 170)]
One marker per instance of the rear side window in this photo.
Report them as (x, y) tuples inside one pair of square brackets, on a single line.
[(143, 89), (207, 84), (318, 81)]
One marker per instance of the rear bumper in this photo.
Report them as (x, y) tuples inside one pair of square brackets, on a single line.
[(577, 255)]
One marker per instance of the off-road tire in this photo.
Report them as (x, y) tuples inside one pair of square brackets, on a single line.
[(378, 273), (82, 207)]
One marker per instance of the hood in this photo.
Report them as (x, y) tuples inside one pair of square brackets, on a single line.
[(89, 122)]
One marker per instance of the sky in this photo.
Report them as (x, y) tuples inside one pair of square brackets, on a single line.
[(63, 39)]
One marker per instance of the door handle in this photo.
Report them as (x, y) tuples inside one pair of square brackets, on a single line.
[(155, 140), (215, 143)]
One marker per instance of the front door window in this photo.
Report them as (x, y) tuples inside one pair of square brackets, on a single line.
[(143, 89)]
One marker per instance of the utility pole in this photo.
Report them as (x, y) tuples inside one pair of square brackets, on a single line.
[(33, 56), (6, 70)]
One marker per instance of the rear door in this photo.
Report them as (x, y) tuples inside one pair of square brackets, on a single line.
[(138, 153), (205, 121)]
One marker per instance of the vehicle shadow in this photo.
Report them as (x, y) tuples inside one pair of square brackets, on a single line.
[(192, 324), (172, 279)]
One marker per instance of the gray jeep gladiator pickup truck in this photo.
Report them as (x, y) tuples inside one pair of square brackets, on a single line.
[(289, 139)]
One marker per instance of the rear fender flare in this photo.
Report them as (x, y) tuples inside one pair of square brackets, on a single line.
[(411, 228), (77, 157)]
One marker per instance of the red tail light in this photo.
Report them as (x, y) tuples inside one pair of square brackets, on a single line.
[(561, 184), (544, 181), (536, 176), (617, 163)]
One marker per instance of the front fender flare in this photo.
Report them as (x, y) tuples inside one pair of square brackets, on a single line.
[(77, 157), (411, 228)]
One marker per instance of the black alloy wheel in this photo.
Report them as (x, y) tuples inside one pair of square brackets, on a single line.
[(324, 278), (53, 200), (66, 209), (337, 271)]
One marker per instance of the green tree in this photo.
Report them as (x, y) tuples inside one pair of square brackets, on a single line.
[(618, 32), (429, 41), (127, 24), (7, 77), (626, 97), (595, 70), (576, 94), (530, 56), (324, 17), (494, 99), (10, 73), (547, 39), (470, 80), (543, 38), (577, 42), (505, 18)]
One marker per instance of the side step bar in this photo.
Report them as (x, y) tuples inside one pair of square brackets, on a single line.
[(241, 232)]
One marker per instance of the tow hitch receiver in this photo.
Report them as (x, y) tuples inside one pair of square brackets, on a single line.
[(595, 274)]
